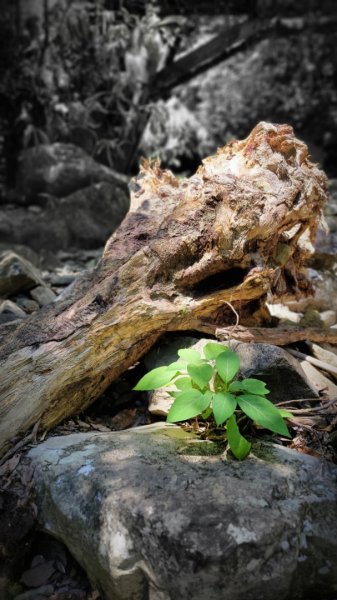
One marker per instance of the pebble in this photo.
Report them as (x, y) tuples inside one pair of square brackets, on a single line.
[(160, 402), (43, 295), (61, 280), (29, 306)]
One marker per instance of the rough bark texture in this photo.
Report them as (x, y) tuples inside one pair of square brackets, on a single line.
[(236, 230)]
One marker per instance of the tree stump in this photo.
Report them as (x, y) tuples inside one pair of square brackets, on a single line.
[(188, 253)]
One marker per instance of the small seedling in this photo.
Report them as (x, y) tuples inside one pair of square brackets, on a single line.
[(207, 387)]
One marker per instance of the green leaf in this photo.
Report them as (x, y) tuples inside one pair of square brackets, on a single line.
[(254, 386), (209, 395), (235, 386), (187, 404), (201, 373), (189, 354), (237, 443), (218, 384), (228, 364), (155, 379), (263, 412), (178, 365), (224, 404), (285, 413), (212, 350), (207, 413), (183, 383)]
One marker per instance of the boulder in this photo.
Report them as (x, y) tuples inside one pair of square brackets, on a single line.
[(16, 274), (84, 219), (59, 170), (154, 513), (282, 373)]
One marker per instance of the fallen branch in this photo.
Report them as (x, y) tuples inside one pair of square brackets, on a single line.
[(314, 361), (228, 42), (278, 336)]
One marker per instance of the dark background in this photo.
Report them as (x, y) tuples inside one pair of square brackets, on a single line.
[(110, 81)]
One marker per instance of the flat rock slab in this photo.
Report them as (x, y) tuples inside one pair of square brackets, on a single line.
[(152, 513)]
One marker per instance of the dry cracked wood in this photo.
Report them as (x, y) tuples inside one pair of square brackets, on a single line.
[(236, 230)]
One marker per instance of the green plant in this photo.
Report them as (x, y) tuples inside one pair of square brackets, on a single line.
[(207, 387)]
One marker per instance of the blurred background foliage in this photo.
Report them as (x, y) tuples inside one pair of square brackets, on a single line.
[(86, 72)]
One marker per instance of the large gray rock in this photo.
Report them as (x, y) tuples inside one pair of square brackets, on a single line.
[(59, 170), (84, 219), (152, 513), (282, 373)]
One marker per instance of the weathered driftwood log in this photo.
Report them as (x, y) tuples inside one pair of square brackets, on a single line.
[(236, 230)]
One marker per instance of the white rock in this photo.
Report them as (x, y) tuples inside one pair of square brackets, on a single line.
[(284, 313), (160, 402), (328, 317)]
